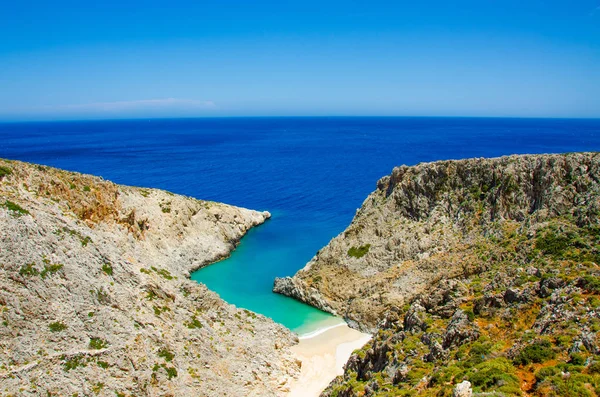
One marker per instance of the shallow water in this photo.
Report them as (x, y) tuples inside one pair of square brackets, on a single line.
[(310, 173)]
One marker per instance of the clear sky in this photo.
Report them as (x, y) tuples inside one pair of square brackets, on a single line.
[(107, 59)]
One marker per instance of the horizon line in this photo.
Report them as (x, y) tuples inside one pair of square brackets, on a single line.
[(148, 119)]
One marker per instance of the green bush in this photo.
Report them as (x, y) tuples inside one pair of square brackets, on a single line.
[(590, 283), (594, 367), (50, 269), (15, 208), (4, 171), (537, 352), (495, 375), (29, 270), (577, 359), (73, 362), (574, 385), (171, 372), (166, 354), (546, 372), (360, 251), (193, 323), (555, 242), (97, 343), (108, 269), (57, 326)]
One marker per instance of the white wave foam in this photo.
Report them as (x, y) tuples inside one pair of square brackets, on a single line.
[(319, 331)]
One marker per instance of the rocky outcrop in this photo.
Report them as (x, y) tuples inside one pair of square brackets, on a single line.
[(95, 297), (424, 224), (463, 389), (477, 277)]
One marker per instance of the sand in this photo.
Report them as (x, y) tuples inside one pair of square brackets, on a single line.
[(323, 355)]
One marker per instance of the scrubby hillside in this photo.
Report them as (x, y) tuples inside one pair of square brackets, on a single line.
[(480, 270), (95, 300)]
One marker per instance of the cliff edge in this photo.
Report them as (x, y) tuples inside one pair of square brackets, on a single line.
[(475, 276), (95, 297)]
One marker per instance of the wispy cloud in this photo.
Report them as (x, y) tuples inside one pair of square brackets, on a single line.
[(142, 104)]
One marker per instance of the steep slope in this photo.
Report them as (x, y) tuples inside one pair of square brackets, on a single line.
[(95, 300), (482, 270)]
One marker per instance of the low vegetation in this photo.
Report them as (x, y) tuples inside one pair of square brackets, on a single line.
[(4, 171), (15, 209), (531, 317), (57, 326), (359, 252), (97, 343)]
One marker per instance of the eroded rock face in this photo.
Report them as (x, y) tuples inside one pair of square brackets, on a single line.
[(423, 223), (482, 277), (95, 297)]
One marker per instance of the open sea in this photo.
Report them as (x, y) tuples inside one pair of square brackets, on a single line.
[(310, 173)]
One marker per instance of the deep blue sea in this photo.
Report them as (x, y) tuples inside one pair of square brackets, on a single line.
[(310, 173)]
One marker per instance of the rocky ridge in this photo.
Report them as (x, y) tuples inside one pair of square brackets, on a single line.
[(95, 297), (477, 277)]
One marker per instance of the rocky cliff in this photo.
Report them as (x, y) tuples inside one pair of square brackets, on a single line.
[(475, 275), (95, 297)]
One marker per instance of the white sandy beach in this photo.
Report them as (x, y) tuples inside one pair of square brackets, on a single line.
[(323, 355)]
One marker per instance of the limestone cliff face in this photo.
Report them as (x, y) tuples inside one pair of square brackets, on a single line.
[(424, 224), (95, 300)]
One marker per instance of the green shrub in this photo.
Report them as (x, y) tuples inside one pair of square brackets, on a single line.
[(577, 359), (590, 283), (4, 171), (57, 326), (97, 387), (15, 208), (166, 354), (546, 372), (98, 343), (163, 273), (470, 314), (108, 269), (537, 352), (85, 240), (165, 207), (494, 375), (574, 385), (193, 323), (360, 251), (171, 372), (594, 367), (29, 270), (50, 269), (73, 362), (478, 353)]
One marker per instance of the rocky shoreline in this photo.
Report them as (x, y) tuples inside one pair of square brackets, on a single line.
[(95, 297)]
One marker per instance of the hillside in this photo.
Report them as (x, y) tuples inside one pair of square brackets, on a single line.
[(481, 270), (95, 297)]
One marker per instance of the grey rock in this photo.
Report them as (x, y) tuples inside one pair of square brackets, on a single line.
[(414, 319), (411, 232), (460, 330), (95, 295)]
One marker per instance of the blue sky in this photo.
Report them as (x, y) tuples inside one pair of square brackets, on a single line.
[(79, 60)]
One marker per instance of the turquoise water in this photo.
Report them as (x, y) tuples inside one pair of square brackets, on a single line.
[(246, 277), (310, 173)]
